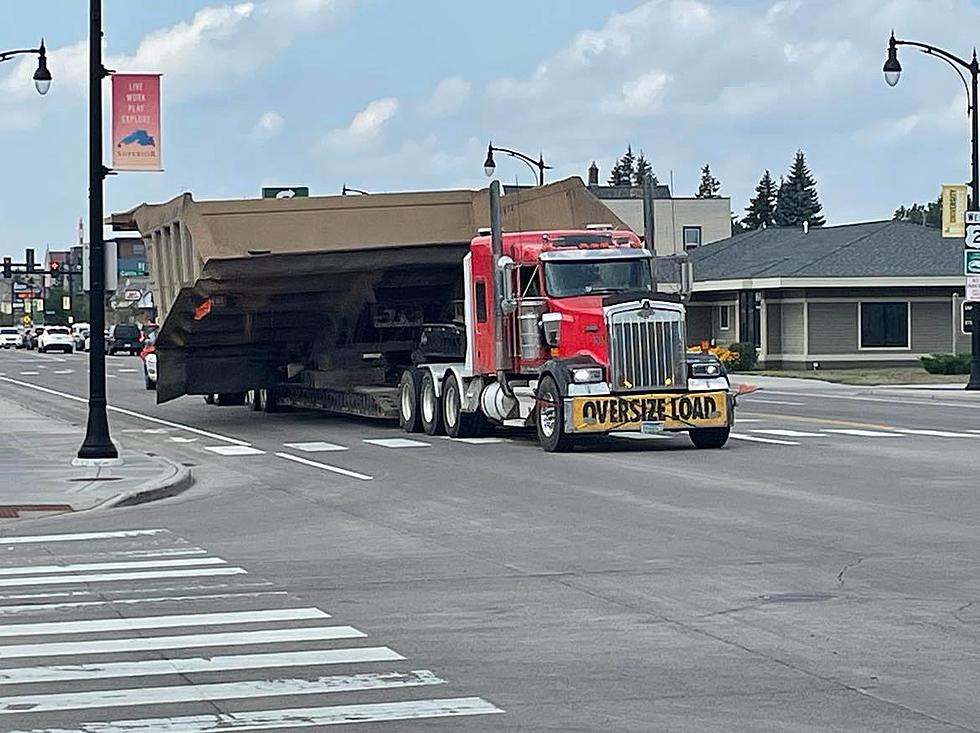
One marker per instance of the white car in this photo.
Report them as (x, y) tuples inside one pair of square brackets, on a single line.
[(56, 338), (150, 369), (10, 337)]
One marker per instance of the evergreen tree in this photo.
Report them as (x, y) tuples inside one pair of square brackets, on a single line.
[(622, 172), (930, 215), (761, 211), (642, 170), (799, 202), (709, 185), (738, 225)]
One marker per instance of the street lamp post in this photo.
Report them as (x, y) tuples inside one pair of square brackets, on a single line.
[(347, 189), (893, 70), (537, 166), (98, 445), (42, 77)]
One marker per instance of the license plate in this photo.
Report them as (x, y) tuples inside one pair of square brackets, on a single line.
[(651, 428)]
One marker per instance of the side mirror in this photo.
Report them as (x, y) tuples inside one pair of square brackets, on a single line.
[(505, 266)]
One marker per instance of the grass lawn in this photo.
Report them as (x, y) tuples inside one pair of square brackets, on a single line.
[(887, 375)]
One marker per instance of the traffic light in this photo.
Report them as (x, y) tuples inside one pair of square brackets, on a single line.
[(29, 259), (54, 269), (7, 271)]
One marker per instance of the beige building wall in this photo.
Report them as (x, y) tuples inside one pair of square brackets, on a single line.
[(670, 217)]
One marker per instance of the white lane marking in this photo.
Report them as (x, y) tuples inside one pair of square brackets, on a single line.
[(185, 641), (640, 436), (36, 703), (29, 374), (194, 665), (788, 433), (111, 376), (152, 553), (375, 712), (113, 595), (975, 431), (162, 622), (63, 371), (747, 419), (757, 439), (126, 371), (124, 411), (234, 450), (475, 441), (397, 443), (863, 433), (155, 431), (317, 446), (43, 607), (757, 401), (934, 433), (128, 565), (325, 467), (178, 439), (116, 577), (81, 536), (889, 400)]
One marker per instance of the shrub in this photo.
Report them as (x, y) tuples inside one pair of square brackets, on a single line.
[(947, 363), (746, 360), (726, 356)]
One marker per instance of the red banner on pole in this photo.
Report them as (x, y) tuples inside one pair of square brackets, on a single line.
[(136, 122)]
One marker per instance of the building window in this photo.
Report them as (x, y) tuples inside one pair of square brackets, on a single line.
[(481, 301), (724, 318), (692, 237), (884, 326)]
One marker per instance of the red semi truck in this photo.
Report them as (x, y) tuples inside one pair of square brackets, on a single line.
[(564, 330)]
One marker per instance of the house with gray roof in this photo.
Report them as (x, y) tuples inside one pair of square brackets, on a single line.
[(868, 294)]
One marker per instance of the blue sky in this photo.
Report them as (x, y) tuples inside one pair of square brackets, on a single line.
[(394, 95)]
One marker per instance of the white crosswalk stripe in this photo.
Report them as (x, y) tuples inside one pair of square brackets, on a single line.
[(77, 648), (863, 433), (787, 433)]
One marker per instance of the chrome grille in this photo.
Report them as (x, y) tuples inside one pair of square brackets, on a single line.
[(646, 349)]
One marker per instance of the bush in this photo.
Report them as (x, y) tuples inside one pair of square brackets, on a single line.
[(947, 363), (746, 360)]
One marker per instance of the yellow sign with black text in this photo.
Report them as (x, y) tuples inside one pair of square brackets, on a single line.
[(606, 413), (954, 211)]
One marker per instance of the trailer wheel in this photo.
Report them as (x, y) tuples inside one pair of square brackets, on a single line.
[(209, 399), (430, 411), (709, 437), (267, 398), (459, 424), (549, 418), (231, 399), (408, 401), (254, 400)]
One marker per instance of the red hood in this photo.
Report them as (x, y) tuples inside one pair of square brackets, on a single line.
[(583, 327)]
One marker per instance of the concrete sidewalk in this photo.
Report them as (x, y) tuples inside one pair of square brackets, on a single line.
[(948, 392), (37, 477)]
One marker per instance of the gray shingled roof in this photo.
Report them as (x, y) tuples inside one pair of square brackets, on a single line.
[(869, 249)]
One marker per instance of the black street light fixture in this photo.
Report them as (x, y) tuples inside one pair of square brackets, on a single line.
[(537, 166), (97, 446), (42, 77), (347, 189), (893, 71)]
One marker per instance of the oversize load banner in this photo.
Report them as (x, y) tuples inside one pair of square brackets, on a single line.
[(603, 413), (136, 122)]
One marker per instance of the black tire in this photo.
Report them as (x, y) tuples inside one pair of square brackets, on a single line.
[(255, 400), (459, 424), (41, 351), (68, 351), (231, 399), (408, 401), (150, 384), (268, 399), (430, 407), (209, 399), (709, 437), (549, 419)]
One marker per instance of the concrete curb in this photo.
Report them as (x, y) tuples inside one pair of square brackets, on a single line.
[(176, 483)]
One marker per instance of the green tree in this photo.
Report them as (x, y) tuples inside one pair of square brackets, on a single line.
[(642, 169), (797, 200), (709, 185), (761, 211), (738, 225), (930, 215), (622, 172)]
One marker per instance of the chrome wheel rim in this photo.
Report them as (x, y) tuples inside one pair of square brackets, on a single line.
[(428, 402), (451, 405), (547, 417), (406, 402)]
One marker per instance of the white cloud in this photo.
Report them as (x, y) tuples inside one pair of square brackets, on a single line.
[(267, 126), (641, 97), (365, 127), (447, 98)]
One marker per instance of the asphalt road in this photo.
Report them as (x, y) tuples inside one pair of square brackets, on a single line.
[(819, 573)]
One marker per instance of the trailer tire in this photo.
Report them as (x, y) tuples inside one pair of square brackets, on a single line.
[(459, 424), (709, 437), (255, 400), (267, 398), (231, 399), (209, 399), (408, 401), (430, 407), (549, 420)]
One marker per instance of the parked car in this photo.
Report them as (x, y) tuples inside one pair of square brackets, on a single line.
[(56, 338), (123, 337), (10, 337), (149, 357), (78, 333)]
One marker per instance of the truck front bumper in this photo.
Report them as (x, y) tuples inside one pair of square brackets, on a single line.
[(655, 412)]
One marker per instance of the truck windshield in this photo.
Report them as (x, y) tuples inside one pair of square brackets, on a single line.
[(580, 277)]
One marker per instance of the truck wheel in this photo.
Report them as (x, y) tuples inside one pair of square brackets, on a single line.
[(709, 437), (255, 400), (268, 399), (231, 399), (550, 419), (459, 424), (209, 399), (430, 411), (408, 401)]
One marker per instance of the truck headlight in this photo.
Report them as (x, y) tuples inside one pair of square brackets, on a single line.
[(706, 370), (586, 375)]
